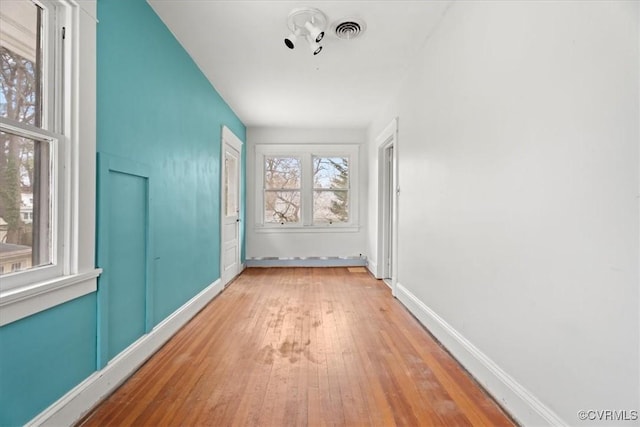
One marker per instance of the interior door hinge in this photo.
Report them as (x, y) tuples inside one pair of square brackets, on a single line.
[(64, 33)]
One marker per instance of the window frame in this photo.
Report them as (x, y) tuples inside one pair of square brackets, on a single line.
[(59, 240), (69, 126), (331, 190), (52, 132), (306, 153), (266, 190)]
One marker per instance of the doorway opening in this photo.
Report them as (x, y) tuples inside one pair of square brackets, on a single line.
[(388, 205)]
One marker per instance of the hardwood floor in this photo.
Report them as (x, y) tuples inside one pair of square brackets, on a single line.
[(297, 347)]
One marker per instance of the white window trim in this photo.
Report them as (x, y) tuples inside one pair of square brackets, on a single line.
[(57, 152), (75, 275), (306, 152)]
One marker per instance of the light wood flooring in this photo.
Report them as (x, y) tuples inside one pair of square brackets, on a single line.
[(301, 347)]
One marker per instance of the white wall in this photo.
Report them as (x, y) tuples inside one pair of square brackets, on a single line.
[(304, 244), (519, 224)]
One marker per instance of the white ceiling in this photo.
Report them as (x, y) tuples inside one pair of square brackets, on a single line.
[(239, 45)]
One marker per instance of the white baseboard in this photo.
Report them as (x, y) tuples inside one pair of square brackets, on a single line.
[(71, 407), (333, 261), (525, 408)]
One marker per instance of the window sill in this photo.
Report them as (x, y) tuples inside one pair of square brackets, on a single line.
[(24, 301), (307, 229)]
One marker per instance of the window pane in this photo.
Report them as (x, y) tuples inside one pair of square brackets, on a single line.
[(331, 172), (231, 184), (25, 213), (330, 206), (281, 207), (20, 64), (281, 172)]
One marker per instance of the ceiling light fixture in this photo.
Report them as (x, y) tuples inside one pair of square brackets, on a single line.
[(308, 23), (315, 47), (291, 39), (316, 33)]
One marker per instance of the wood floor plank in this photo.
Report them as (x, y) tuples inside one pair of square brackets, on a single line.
[(301, 347)]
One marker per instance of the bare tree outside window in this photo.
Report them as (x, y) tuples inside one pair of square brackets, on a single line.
[(282, 181), (24, 161), (307, 186), (330, 190)]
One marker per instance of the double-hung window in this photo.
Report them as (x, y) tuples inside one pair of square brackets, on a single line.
[(32, 143), (330, 189), (282, 189), (306, 187), (40, 122)]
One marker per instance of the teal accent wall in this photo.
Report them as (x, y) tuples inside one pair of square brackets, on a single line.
[(126, 205), (128, 260), (44, 356), (155, 108)]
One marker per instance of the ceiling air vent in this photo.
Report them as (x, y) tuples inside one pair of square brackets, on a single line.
[(349, 29)]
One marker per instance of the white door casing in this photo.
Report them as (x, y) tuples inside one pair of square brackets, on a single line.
[(388, 191), (230, 263)]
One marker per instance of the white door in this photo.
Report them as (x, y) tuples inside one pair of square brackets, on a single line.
[(230, 233)]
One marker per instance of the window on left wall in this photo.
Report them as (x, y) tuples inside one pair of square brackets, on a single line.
[(31, 138), (47, 154)]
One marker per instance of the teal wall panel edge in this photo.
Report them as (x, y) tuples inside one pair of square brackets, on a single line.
[(106, 165)]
